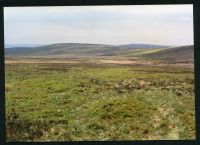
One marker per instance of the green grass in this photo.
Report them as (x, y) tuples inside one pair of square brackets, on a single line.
[(139, 52), (56, 102)]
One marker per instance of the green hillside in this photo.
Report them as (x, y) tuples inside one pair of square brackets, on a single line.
[(184, 53), (80, 49), (59, 48)]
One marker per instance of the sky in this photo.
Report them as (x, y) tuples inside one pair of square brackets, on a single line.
[(115, 25)]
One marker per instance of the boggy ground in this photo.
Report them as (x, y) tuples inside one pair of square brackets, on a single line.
[(98, 101)]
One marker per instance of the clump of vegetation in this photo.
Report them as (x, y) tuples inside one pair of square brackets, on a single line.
[(19, 129)]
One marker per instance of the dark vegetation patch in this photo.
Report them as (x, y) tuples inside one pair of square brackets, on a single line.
[(184, 53), (19, 129)]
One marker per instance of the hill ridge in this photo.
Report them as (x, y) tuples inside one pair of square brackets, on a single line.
[(103, 50)]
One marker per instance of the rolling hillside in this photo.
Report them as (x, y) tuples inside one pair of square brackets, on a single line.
[(79, 49), (149, 46), (59, 48), (153, 52), (183, 53)]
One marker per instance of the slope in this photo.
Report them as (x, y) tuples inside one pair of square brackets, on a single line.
[(181, 54), (76, 49)]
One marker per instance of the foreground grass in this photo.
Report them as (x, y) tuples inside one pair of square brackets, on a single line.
[(56, 102)]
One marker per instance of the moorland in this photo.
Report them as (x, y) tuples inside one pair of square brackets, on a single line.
[(74, 91)]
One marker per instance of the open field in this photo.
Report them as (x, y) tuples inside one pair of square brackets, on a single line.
[(98, 99), (99, 73)]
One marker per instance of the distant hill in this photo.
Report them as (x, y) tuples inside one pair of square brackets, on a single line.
[(142, 46), (59, 48), (21, 45), (146, 51), (80, 49), (183, 53)]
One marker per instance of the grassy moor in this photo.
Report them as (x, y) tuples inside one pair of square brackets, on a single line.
[(99, 73), (93, 92)]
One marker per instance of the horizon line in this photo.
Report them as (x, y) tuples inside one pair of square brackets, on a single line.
[(91, 43)]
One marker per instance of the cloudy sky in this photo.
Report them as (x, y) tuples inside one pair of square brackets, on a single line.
[(158, 24)]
